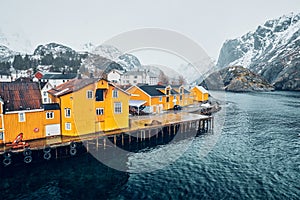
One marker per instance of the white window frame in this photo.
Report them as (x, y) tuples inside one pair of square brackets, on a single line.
[(68, 126), (67, 112), (1, 135), (160, 99), (50, 115), (99, 111), (115, 93), (22, 117), (89, 94), (117, 107)]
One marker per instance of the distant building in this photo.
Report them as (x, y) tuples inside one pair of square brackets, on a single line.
[(15, 74), (139, 77), (56, 79), (5, 77), (45, 87), (114, 76)]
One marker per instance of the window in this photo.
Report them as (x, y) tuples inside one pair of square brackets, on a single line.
[(134, 81), (99, 95), (1, 135), (67, 112), (49, 115), (180, 97), (118, 107), (89, 94), (168, 92), (44, 93), (45, 100), (182, 90), (115, 93), (68, 126), (135, 77), (99, 111), (167, 99), (160, 99), (22, 117)]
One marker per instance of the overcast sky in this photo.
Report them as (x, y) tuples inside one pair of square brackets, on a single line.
[(72, 22)]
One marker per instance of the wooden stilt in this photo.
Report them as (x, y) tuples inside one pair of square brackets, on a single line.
[(97, 143), (87, 146), (56, 153), (115, 140)]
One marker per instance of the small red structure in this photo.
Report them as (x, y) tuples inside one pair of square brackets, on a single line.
[(18, 142)]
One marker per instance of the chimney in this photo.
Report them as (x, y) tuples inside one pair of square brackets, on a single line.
[(78, 75), (91, 75)]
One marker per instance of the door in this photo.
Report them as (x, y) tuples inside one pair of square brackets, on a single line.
[(52, 129)]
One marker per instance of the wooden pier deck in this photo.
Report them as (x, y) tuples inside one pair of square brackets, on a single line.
[(139, 127)]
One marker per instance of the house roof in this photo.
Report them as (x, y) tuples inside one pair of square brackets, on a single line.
[(154, 90), (75, 85), (178, 86), (21, 96), (4, 73), (71, 86), (202, 89), (51, 106), (59, 76), (42, 84), (134, 73)]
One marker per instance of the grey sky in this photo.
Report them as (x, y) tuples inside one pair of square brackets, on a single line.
[(71, 22)]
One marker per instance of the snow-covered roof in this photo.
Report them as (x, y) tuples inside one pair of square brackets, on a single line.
[(202, 89)]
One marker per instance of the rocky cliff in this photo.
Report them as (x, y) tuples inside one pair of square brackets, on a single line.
[(272, 51), (236, 79)]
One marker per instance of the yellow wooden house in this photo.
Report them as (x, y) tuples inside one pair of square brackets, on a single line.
[(159, 97), (183, 98), (91, 105), (199, 94), (22, 111)]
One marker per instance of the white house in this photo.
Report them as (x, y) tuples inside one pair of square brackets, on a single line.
[(138, 77), (15, 74), (114, 76), (45, 87), (5, 77)]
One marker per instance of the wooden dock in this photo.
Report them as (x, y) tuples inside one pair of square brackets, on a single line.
[(143, 132)]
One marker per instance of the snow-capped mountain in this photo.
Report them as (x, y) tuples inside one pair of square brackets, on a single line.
[(15, 40), (272, 51), (54, 49), (107, 51), (6, 53), (128, 61)]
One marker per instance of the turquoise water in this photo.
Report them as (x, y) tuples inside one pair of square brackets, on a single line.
[(254, 154)]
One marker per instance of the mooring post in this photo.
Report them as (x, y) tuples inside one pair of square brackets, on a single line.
[(87, 146), (97, 143), (56, 153), (129, 138), (174, 129), (115, 140)]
